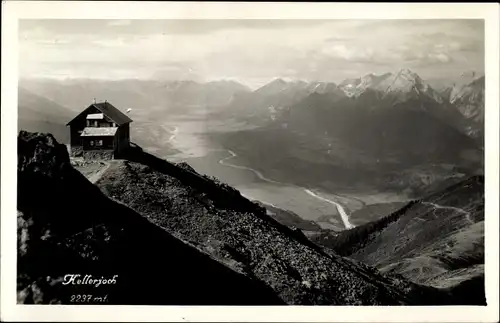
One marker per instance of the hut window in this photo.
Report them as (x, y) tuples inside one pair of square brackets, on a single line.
[(91, 143), (99, 143)]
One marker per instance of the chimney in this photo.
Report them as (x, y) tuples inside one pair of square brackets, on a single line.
[(94, 101)]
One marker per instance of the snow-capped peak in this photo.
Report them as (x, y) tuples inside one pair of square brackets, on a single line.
[(322, 87), (404, 81), (274, 86), (354, 87), (461, 83), (470, 100)]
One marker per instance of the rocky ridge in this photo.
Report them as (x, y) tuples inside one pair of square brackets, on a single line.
[(436, 241), (174, 237)]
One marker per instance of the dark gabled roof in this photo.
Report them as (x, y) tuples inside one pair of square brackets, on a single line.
[(110, 111)]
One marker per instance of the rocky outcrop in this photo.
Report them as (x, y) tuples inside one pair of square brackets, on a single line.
[(66, 226), (76, 151), (185, 166)]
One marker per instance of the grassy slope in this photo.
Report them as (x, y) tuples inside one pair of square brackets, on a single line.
[(249, 240), (373, 212), (427, 244), (290, 219)]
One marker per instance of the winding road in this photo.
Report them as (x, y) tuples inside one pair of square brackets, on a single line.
[(456, 209), (343, 214)]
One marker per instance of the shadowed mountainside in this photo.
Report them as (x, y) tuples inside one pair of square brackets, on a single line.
[(174, 237), (391, 132), (48, 116), (437, 240), (469, 100), (67, 226)]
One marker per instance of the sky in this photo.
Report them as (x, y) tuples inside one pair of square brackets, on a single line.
[(249, 51)]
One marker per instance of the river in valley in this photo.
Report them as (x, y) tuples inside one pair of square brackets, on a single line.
[(184, 139)]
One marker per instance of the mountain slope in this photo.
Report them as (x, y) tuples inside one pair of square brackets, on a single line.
[(67, 226), (438, 240), (205, 231), (403, 89), (39, 114), (402, 83), (457, 84), (268, 102), (257, 245), (396, 125), (395, 121), (362, 141), (469, 100), (466, 94), (408, 90)]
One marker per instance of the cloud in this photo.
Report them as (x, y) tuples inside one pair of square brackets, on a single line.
[(163, 26), (350, 53), (440, 57), (247, 49)]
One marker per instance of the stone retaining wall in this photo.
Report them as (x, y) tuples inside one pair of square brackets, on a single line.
[(98, 154), (76, 151)]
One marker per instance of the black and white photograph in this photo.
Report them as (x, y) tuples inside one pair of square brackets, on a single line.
[(252, 162)]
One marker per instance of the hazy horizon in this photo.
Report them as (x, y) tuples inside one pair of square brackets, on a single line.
[(440, 81), (251, 52)]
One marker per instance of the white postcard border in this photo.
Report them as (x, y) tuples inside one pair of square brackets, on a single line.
[(14, 10)]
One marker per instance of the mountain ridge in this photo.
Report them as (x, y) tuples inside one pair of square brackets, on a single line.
[(271, 101), (38, 113), (437, 240), (151, 196)]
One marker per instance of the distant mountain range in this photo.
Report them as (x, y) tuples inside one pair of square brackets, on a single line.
[(268, 101), (465, 96), (469, 100), (47, 105), (37, 113), (403, 84), (384, 115), (391, 117), (265, 103), (135, 94), (391, 130)]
